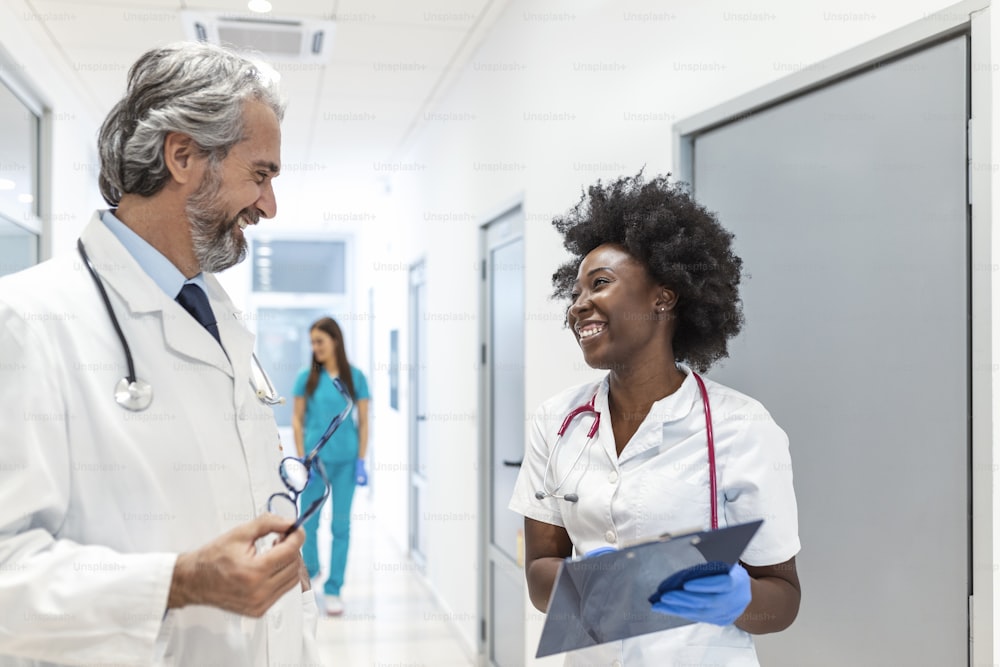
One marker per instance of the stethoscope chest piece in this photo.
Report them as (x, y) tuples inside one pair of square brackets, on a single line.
[(132, 393), (135, 396)]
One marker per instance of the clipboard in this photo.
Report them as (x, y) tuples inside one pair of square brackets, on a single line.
[(608, 597)]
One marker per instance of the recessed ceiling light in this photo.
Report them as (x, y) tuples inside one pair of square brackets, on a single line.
[(259, 6), (7, 184)]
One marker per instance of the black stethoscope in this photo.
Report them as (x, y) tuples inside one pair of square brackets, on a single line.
[(589, 407), (136, 395)]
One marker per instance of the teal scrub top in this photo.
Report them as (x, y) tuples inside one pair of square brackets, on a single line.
[(321, 407)]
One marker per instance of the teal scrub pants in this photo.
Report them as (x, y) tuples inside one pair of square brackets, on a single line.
[(341, 495)]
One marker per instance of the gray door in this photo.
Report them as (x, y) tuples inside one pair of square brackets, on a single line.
[(849, 210), (418, 413), (503, 393)]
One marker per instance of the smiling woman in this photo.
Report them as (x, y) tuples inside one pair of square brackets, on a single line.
[(654, 283)]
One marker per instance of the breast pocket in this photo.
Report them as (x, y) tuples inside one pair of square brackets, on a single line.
[(670, 505), (672, 488)]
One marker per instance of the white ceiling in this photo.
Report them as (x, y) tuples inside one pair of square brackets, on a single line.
[(344, 116)]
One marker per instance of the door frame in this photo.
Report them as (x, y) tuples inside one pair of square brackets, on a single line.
[(416, 275), (485, 425), (972, 18)]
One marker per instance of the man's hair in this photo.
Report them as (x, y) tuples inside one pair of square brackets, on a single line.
[(680, 243), (192, 88)]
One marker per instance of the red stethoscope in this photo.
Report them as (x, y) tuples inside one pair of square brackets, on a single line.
[(589, 407)]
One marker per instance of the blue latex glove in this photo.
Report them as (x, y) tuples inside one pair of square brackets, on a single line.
[(360, 474), (718, 599), (598, 551)]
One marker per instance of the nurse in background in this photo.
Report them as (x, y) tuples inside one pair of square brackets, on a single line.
[(343, 457), (653, 292)]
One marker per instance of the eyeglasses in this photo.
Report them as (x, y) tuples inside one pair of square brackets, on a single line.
[(297, 472)]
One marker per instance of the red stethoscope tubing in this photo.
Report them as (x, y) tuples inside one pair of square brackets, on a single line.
[(589, 407), (711, 450)]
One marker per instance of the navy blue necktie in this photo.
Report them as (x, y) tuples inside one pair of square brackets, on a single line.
[(194, 300)]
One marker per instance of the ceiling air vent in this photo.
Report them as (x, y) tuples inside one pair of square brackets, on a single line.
[(278, 39)]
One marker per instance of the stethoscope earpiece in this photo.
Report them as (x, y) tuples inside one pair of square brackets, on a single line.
[(569, 497)]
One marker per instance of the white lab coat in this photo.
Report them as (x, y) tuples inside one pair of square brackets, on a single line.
[(660, 484), (96, 501)]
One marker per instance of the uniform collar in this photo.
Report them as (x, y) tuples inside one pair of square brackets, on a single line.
[(649, 435), (669, 408), (123, 273), (155, 265)]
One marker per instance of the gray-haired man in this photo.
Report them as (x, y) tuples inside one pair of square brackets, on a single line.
[(129, 516)]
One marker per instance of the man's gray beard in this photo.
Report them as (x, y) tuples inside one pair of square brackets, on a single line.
[(216, 247)]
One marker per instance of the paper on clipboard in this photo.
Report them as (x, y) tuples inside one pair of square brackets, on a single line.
[(606, 597)]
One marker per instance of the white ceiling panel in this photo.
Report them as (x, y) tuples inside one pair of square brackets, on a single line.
[(279, 8), (387, 81), (376, 43), (345, 117), (130, 29), (448, 14), (86, 6)]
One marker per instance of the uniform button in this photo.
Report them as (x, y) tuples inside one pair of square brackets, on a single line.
[(610, 536), (613, 476)]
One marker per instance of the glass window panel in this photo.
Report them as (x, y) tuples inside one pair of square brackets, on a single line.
[(18, 157), (283, 348), (312, 267), (18, 248)]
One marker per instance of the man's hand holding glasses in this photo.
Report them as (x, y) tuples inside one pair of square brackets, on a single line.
[(244, 572)]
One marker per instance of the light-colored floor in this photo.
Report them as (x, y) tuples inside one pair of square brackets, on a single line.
[(390, 618)]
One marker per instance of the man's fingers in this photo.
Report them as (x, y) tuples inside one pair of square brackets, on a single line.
[(268, 523), (282, 561), (296, 538)]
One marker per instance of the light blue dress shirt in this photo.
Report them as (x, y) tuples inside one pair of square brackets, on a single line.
[(159, 268)]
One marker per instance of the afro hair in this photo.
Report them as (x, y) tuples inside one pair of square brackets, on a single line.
[(681, 244)]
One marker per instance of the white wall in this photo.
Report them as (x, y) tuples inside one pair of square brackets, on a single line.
[(988, 475), (559, 95)]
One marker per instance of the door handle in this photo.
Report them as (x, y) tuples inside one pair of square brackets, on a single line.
[(513, 464), (421, 418)]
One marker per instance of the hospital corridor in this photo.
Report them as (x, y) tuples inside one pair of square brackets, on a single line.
[(499, 333), (391, 616)]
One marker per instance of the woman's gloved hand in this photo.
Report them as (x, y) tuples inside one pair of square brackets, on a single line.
[(598, 551), (718, 599), (360, 474)]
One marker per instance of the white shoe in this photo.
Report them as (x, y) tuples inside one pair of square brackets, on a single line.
[(334, 605)]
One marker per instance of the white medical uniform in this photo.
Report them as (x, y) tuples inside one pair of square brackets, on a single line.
[(660, 484), (97, 501)]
